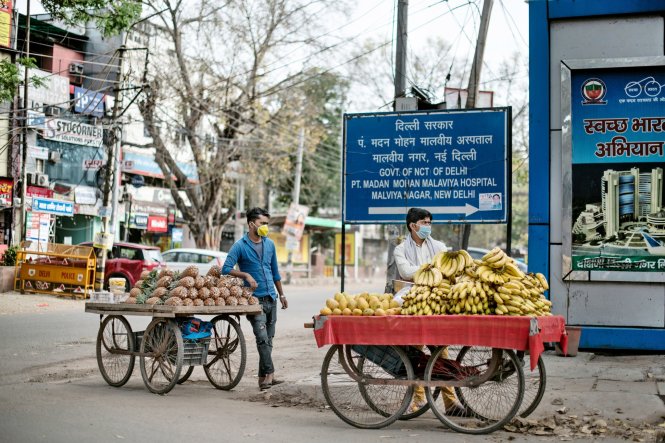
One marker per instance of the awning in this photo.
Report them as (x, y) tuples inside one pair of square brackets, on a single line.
[(324, 223)]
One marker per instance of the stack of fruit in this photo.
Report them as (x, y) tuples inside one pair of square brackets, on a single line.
[(454, 283), (361, 304), (188, 288)]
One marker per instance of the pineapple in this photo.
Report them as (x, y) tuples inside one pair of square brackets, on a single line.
[(204, 293), (131, 300), (187, 302), (231, 301), (190, 271), (220, 302), (173, 301), (214, 271), (199, 282), (208, 302), (187, 282), (153, 301), (198, 302)]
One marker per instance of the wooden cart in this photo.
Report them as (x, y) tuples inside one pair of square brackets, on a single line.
[(161, 349), (369, 375)]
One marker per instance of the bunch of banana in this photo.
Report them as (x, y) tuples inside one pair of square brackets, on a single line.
[(537, 280), (469, 297), (453, 262), (515, 298), (497, 259), (428, 275), (493, 275), (425, 300)]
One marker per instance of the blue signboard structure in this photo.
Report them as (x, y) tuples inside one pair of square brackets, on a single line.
[(617, 169), (455, 164), (88, 102), (50, 206)]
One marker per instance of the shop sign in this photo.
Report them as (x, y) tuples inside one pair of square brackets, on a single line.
[(74, 132), (138, 221), (177, 235), (36, 191), (349, 249), (6, 23), (157, 224), (55, 90), (36, 120), (149, 208), (85, 195), (86, 210), (618, 160), (50, 206), (93, 164), (145, 164), (138, 181), (6, 188), (38, 152), (88, 102), (455, 164)]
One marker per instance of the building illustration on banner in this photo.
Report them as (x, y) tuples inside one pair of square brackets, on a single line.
[(617, 171)]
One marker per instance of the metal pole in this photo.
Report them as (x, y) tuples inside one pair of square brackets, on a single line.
[(24, 153), (474, 80), (296, 197), (112, 156), (400, 48)]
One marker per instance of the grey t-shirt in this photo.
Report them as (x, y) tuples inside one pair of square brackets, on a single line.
[(258, 247)]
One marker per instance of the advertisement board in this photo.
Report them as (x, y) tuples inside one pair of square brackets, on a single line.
[(52, 206), (74, 132), (617, 125), (453, 163), (88, 102), (6, 192)]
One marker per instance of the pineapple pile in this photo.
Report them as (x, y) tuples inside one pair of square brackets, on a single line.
[(361, 304), (188, 288), (455, 283)]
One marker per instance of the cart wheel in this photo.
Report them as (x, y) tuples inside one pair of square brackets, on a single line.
[(348, 397), (534, 384), (409, 414), (114, 336), (186, 375), (162, 354), (488, 406), (227, 354)]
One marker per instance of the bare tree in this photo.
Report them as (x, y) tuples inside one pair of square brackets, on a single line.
[(218, 79)]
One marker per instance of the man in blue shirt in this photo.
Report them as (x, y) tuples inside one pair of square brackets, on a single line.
[(257, 264)]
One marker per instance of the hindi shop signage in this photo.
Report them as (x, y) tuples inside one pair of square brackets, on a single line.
[(50, 206), (453, 163), (6, 192), (74, 132), (617, 139)]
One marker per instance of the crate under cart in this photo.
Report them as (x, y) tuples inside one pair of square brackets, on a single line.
[(195, 352)]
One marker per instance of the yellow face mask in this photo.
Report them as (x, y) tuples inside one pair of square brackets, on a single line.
[(262, 231)]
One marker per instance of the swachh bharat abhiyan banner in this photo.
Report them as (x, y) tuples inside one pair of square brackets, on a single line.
[(455, 164), (618, 218)]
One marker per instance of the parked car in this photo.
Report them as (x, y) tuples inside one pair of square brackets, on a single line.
[(204, 259), (477, 253), (128, 260)]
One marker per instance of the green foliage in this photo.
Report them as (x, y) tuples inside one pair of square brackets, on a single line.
[(9, 258), (10, 77), (110, 16)]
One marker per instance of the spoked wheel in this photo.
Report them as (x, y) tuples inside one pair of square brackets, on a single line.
[(350, 392), (161, 356), (486, 407), (227, 354), (418, 404), (534, 384), (115, 342), (183, 378)]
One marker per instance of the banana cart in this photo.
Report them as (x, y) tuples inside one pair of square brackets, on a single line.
[(163, 353), (374, 365)]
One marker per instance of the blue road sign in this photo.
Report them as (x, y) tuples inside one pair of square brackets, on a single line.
[(50, 206), (453, 163)]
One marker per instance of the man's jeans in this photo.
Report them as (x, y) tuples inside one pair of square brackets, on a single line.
[(264, 330)]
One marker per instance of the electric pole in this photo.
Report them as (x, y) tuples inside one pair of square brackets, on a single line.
[(400, 48), (474, 80), (112, 175), (24, 151), (296, 194)]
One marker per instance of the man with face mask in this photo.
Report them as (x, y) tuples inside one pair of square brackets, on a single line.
[(256, 258), (417, 249)]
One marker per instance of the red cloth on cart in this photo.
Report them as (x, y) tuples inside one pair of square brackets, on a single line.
[(512, 332)]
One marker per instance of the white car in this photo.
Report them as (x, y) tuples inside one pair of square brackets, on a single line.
[(204, 259)]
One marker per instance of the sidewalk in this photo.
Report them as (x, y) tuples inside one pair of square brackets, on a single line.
[(590, 396)]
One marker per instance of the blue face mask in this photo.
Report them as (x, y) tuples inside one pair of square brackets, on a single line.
[(424, 232)]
